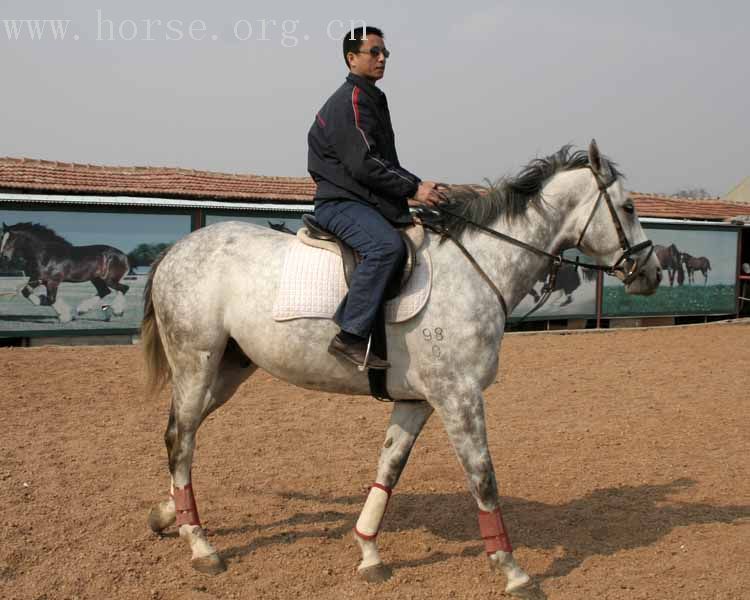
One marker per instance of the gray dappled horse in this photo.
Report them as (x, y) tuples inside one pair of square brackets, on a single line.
[(207, 326)]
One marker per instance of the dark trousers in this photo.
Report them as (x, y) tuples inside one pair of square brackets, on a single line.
[(383, 253)]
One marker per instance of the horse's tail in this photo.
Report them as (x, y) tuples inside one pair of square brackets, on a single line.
[(708, 265), (157, 367)]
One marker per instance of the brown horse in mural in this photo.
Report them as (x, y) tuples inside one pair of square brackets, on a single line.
[(670, 259), (50, 260), (696, 263)]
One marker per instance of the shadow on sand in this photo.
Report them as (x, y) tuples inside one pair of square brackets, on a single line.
[(601, 523)]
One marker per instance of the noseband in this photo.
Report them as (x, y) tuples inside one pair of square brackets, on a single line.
[(626, 268)]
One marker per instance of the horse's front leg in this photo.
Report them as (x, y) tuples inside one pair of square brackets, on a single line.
[(463, 417), (27, 291), (407, 420), (64, 312)]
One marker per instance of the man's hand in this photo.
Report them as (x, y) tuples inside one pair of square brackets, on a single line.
[(427, 195)]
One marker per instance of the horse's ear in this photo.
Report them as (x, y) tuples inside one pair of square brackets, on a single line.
[(595, 159)]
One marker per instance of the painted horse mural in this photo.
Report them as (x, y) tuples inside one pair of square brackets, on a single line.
[(670, 259), (50, 260), (208, 326), (568, 280), (696, 263)]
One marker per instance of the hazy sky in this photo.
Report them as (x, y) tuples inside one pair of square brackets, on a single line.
[(475, 89)]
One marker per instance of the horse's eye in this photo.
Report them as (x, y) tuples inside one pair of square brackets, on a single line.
[(628, 207)]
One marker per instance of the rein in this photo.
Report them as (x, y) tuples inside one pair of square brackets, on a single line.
[(625, 268)]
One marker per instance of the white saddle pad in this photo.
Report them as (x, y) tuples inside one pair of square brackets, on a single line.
[(313, 285)]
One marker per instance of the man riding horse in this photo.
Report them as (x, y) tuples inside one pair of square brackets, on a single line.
[(363, 192)]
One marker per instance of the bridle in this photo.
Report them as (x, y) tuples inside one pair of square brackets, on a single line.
[(626, 268)]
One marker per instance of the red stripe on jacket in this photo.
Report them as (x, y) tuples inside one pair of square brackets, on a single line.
[(355, 104)]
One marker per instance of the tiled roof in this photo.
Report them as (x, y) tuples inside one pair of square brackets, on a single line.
[(57, 177), (44, 176), (669, 207)]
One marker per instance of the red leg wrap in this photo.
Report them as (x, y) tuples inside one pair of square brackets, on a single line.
[(388, 491), (492, 530), (184, 503), (385, 488)]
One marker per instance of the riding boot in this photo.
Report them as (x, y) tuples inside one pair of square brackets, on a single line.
[(354, 349)]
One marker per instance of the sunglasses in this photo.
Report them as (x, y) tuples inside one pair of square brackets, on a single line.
[(376, 51)]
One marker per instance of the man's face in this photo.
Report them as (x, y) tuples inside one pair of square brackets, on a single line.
[(365, 64)]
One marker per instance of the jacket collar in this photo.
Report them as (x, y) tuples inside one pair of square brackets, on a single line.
[(367, 86)]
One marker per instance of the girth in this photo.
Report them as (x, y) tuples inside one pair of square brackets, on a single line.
[(312, 234)]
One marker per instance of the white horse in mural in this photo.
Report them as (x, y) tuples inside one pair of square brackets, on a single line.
[(208, 326)]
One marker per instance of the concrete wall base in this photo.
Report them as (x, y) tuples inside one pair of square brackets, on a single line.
[(640, 322), (84, 340)]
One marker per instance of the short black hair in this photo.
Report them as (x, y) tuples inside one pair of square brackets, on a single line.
[(353, 40)]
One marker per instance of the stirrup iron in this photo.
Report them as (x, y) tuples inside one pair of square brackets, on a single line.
[(363, 366)]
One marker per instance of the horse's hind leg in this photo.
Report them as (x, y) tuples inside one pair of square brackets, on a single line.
[(407, 420), (233, 369), (118, 304), (117, 269), (464, 422), (94, 301), (201, 384)]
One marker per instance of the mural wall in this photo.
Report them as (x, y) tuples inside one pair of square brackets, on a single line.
[(700, 275), (70, 271), (574, 294), (74, 272)]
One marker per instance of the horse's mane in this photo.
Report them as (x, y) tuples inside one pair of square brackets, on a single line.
[(40, 232), (513, 196)]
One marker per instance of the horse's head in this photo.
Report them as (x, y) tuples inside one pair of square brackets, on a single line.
[(607, 228), (7, 242)]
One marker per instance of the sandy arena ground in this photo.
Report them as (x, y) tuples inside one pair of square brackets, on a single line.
[(622, 459)]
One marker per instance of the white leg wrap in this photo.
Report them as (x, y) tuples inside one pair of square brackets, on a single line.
[(34, 299), (369, 520), (87, 305), (63, 311), (196, 537)]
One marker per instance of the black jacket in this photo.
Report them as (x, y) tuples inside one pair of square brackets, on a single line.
[(352, 151)]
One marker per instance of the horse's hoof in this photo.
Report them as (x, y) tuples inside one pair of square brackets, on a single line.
[(211, 564), (376, 573), (159, 518), (527, 591)]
